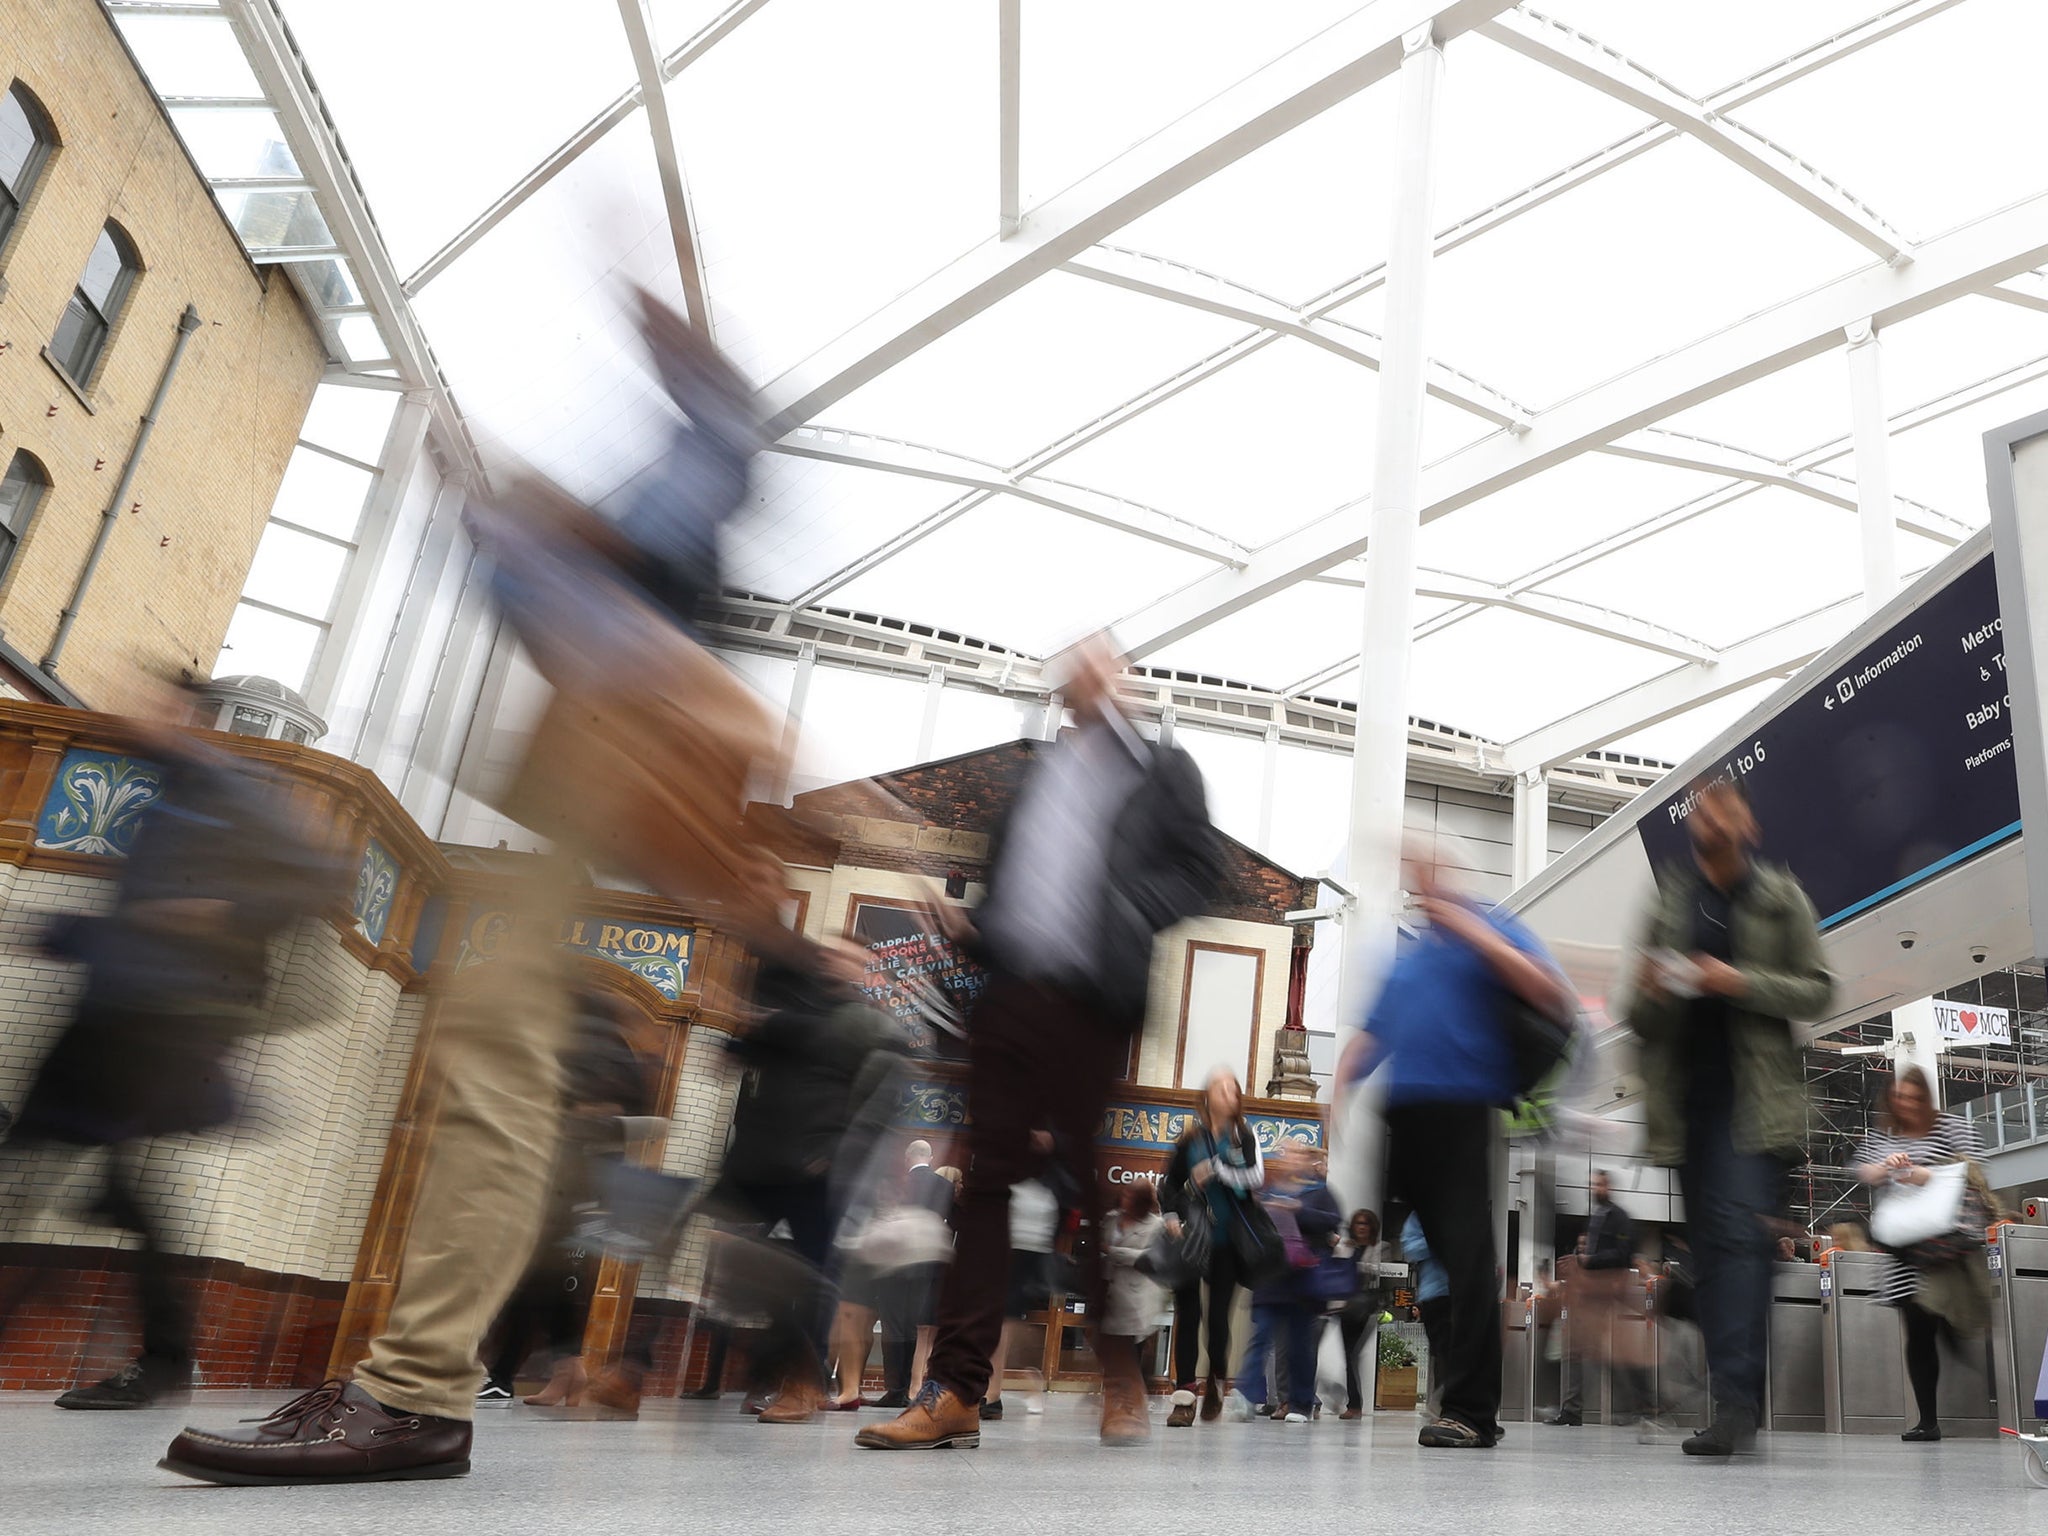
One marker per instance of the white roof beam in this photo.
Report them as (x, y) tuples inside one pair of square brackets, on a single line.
[(1656, 445), (2029, 291), (572, 149), (1585, 59), (890, 456), (1778, 653), (1330, 67), (1156, 277), (1996, 247), (1009, 112), (675, 191)]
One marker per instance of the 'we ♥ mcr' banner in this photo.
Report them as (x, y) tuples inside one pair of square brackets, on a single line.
[(1973, 1023)]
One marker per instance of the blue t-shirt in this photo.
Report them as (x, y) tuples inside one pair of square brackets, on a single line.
[(1438, 1021)]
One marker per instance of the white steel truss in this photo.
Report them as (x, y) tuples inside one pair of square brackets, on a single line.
[(1963, 261), (1572, 53), (675, 191), (1336, 64)]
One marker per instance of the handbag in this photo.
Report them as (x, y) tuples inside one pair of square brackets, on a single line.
[(1917, 1213), (903, 1236), (1179, 1262), (1538, 1043), (1256, 1244), (1331, 1279)]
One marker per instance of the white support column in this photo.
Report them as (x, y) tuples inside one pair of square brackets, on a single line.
[(1532, 824), (1916, 1042), (403, 445), (402, 647), (934, 696), (1169, 717), (793, 720), (1009, 111), (1055, 717), (1379, 764), (1873, 466), (1269, 786)]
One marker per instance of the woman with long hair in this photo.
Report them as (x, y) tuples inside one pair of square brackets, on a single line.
[(1936, 1291), (1359, 1322), (1216, 1167)]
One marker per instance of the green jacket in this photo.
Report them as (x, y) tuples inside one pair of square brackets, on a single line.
[(1775, 943)]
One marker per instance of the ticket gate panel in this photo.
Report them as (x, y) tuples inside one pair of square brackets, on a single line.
[(1865, 1390), (2018, 1257), (1794, 1396)]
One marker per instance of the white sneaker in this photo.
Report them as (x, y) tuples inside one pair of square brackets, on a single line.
[(1296, 1418), (1238, 1408)]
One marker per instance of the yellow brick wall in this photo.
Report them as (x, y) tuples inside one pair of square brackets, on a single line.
[(166, 588)]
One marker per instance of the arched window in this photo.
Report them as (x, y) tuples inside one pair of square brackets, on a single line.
[(95, 304), (25, 143), (20, 491)]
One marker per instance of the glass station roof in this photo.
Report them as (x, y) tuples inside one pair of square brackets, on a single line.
[(1656, 221)]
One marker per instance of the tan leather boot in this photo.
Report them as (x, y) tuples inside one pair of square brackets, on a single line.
[(935, 1420), (796, 1402), (564, 1388), (1125, 1420)]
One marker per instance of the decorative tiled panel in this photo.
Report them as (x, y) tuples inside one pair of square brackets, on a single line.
[(376, 888), (658, 953), (96, 802)]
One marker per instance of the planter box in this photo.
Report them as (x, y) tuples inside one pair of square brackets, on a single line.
[(1397, 1387)]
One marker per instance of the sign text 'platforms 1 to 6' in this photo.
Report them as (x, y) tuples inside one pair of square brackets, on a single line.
[(1894, 767)]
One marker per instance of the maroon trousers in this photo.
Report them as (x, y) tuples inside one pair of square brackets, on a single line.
[(1039, 1058)]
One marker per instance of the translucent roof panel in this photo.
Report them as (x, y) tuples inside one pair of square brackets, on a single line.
[(444, 108), (1096, 79), (1059, 576), (190, 55), (824, 187), (1049, 359), (1968, 144), (1478, 674), (350, 420), (809, 519)]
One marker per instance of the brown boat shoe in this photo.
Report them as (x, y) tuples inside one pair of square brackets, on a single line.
[(336, 1433), (937, 1419)]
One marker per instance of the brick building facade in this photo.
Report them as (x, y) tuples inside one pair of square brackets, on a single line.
[(175, 561)]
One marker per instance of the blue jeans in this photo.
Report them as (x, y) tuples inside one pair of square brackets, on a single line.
[(1729, 1196), (1254, 1371), (1301, 1330), (1284, 1333)]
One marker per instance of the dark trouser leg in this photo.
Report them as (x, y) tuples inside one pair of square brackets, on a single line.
[(1923, 1360), (1436, 1319), (1302, 1329), (714, 1356), (1438, 1163), (1039, 1058), (1222, 1300), (802, 1311), (1728, 1197), (166, 1320), (1354, 1328), (1187, 1334), (1254, 1370)]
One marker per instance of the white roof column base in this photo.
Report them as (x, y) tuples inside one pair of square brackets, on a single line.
[(405, 648), (1873, 466), (429, 782), (403, 445), (1916, 1042), (1532, 824), (1379, 763)]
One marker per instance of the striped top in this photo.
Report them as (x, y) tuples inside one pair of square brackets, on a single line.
[(1948, 1138)]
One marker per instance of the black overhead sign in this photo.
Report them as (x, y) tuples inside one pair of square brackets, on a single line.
[(1895, 767)]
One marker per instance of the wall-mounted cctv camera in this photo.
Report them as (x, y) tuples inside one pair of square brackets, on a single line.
[(1980, 953), (1908, 939)]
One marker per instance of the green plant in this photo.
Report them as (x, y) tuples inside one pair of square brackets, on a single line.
[(1395, 1355)]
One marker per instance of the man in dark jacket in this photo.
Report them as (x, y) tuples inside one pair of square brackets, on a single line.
[(1730, 956), (810, 1066), (1600, 1286), (1108, 843)]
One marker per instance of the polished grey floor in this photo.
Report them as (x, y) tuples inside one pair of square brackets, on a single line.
[(701, 1467)]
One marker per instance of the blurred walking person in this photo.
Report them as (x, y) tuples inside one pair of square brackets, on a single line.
[(1441, 1027), (1432, 1291), (176, 973), (1108, 844), (1135, 1300), (1216, 1169), (641, 763), (906, 1295), (1034, 1229), (1604, 1287), (1940, 1288), (1730, 959), (1358, 1323)]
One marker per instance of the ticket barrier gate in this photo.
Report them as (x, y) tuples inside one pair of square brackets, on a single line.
[(2018, 1257), (1864, 1387), (1793, 1395)]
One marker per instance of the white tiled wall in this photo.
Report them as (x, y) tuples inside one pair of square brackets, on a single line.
[(698, 1126)]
